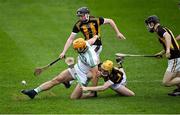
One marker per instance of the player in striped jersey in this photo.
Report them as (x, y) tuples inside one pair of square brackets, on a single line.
[(87, 61), (114, 78), (89, 26), (171, 51)]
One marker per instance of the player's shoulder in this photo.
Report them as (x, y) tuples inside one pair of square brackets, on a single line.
[(161, 30), (117, 69), (160, 27), (92, 18), (78, 22)]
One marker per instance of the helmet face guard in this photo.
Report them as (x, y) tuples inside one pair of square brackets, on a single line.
[(84, 18), (150, 28), (83, 14), (104, 72), (151, 20)]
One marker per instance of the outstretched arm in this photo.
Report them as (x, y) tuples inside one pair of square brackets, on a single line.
[(113, 25), (106, 85), (92, 40), (68, 44), (94, 72), (168, 43)]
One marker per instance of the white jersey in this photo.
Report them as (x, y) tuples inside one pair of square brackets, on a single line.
[(86, 61)]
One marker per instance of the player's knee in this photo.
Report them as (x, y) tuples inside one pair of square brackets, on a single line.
[(132, 94), (166, 83)]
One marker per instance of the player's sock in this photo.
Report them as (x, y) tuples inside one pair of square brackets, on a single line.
[(71, 82), (38, 89)]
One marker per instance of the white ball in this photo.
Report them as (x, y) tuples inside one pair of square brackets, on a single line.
[(23, 82)]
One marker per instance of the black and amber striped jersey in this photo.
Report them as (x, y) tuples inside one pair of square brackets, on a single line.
[(174, 48), (116, 76), (90, 28)]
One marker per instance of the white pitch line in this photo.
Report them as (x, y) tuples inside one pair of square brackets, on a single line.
[(144, 81)]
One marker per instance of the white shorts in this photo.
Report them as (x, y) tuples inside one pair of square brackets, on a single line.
[(173, 65), (79, 75), (122, 83)]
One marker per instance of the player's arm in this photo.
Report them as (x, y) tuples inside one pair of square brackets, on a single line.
[(168, 43), (105, 86), (113, 25), (92, 40), (68, 44), (178, 37), (94, 73)]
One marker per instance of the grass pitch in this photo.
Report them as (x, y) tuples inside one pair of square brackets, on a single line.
[(33, 33)]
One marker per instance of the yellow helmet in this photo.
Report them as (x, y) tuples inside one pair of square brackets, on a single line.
[(79, 44), (107, 65)]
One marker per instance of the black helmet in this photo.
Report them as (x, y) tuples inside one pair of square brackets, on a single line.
[(153, 19), (81, 11)]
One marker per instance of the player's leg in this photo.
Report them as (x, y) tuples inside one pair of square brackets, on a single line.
[(122, 90), (178, 85), (62, 77), (171, 75), (170, 79), (77, 92), (70, 62), (173, 81), (121, 87), (83, 79)]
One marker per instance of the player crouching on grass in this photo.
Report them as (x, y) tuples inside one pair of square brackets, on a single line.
[(114, 77), (87, 61), (171, 50)]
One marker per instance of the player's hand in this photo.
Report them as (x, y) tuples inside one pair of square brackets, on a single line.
[(62, 55), (69, 61), (159, 55), (98, 74), (84, 88), (120, 36)]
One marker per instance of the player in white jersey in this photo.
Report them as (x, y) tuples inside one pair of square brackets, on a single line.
[(87, 61)]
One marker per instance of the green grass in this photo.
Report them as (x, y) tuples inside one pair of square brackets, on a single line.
[(33, 33)]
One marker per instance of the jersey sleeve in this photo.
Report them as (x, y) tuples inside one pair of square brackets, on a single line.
[(75, 29), (101, 20), (161, 32)]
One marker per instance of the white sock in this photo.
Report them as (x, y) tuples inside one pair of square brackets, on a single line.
[(71, 81), (38, 89)]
